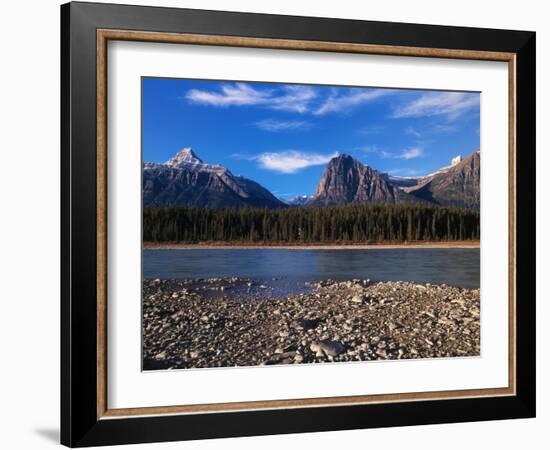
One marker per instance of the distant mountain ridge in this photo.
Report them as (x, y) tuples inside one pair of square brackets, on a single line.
[(411, 181), (185, 180), (458, 186), (299, 200)]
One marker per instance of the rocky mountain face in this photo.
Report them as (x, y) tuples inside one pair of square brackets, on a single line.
[(346, 180), (185, 180), (458, 186)]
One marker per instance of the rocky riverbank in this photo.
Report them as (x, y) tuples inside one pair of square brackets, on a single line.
[(223, 322)]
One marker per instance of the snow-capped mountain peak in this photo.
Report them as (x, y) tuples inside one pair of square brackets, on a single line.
[(299, 200), (184, 157), (187, 159), (186, 180)]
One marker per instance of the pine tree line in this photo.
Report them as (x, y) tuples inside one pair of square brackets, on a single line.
[(359, 223)]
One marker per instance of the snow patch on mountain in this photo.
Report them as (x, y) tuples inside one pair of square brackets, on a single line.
[(299, 200), (187, 159)]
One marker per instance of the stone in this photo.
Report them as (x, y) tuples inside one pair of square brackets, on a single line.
[(315, 347), (392, 326), (242, 327), (332, 348), (308, 324)]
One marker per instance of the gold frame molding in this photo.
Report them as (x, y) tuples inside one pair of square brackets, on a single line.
[(105, 35)]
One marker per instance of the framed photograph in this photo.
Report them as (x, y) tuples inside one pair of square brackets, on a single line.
[(276, 224)]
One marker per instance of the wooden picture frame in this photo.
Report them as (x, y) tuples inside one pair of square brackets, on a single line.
[(86, 418)]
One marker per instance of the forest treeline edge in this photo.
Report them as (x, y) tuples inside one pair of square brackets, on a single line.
[(353, 222)]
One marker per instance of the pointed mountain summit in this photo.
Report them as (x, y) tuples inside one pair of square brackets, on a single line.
[(185, 180), (187, 159), (184, 157), (347, 180)]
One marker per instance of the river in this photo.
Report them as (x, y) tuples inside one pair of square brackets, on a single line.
[(452, 266)]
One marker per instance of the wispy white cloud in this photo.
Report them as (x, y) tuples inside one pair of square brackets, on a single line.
[(443, 128), (282, 125), (409, 153), (292, 98), (370, 129), (237, 94), (437, 126), (449, 104), (369, 148), (284, 98), (412, 131), (377, 150), (291, 161), (355, 97)]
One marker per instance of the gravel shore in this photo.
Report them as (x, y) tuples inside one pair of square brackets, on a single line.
[(223, 322)]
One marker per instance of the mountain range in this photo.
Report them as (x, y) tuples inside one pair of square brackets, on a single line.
[(185, 180)]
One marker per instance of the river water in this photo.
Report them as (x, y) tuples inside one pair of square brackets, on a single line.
[(455, 267)]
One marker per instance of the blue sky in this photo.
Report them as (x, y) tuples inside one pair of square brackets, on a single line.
[(282, 135)]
